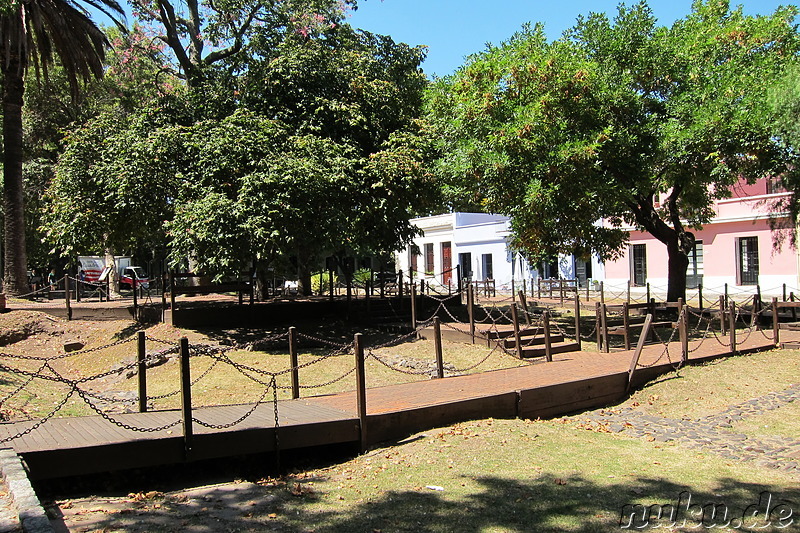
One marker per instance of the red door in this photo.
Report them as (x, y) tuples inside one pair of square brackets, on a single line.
[(447, 261)]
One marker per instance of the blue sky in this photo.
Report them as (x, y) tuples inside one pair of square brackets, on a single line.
[(454, 29)]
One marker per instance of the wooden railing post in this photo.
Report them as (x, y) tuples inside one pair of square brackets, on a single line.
[(732, 325), (330, 285), (626, 326), (639, 346), (726, 296), (794, 309), (561, 291), (437, 344), (517, 337), (293, 361), (602, 293), (578, 320), (186, 397), (597, 326), (628, 293), (413, 306), (723, 326), (66, 296), (604, 324), (700, 295), (683, 331), (134, 283), (756, 309), (471, 311), (361, 389), (163, 297), (458, 279), (548, 348), (141, 359), (648, 292), (172, 293), (524, 303), (776, 326)]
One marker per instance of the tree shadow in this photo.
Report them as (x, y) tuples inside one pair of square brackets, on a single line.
[(544, 503)]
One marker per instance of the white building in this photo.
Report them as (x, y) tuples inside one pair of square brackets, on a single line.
[(478, 244)]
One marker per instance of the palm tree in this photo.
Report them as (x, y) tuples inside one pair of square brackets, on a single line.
[(31, 31)]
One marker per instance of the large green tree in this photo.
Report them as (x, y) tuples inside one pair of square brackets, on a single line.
[(34, 32), (619, 120), (322, 153)]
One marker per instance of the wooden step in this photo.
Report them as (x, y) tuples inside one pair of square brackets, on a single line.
[(528, 353), (511, 343), (503, 333), (620, 330)]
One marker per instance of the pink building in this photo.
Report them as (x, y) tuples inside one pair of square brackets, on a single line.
[(736, 248)]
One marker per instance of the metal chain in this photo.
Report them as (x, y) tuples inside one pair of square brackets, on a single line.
[(41, 421), (67, 354), (370, 353), (241, 418)]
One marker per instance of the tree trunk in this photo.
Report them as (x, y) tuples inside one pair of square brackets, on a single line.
[(304, 272), (15, 275), (678, 262)]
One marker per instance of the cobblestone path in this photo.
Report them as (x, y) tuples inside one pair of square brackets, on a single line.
[(711, 433)]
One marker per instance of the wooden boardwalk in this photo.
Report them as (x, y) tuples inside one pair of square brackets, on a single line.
[(573, 381)]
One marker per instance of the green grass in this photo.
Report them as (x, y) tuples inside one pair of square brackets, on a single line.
[(499, 475)]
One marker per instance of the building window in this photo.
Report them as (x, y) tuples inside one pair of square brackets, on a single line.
[(465, 264), (774, 185), (747, 263), (694, 274), (639, 264), (429, 258), (486, 261)]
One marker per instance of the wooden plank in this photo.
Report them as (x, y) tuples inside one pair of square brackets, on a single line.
[(570, 396)]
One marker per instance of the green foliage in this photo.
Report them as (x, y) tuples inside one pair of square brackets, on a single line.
[(610, 118), (275, 163)]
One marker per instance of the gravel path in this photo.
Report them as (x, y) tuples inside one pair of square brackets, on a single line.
[(711, 433)]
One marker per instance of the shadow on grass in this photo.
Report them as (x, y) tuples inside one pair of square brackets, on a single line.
[(544, 503)]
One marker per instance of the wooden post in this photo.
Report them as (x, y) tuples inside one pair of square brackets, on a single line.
[(602, 293), (604, 323), (66, 296), (524, 303), (561, 291), (794, 310), (330, 285), (471, 310), (294, 363), (726, 295), (626, 326), (539, 288), (382, 282), (437, 344), (784, 292), (639, 346), (628, 293), (517, 337), (135, 282), (732, 312), (648, 292), (723, 326), (186, 397), (141, 359), (577, 319), (368, 295), (172, 293), (548, 349), (458, 278), (400, 286), (700, 295), (78, 284), (163, 297), (756, 309), (587, 289), (683, 331), (413, 306), (775, 322), (253, 285), (597, 327), (361, 389)]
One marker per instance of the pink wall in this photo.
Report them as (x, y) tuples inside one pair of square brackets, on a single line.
[(719, 249)]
